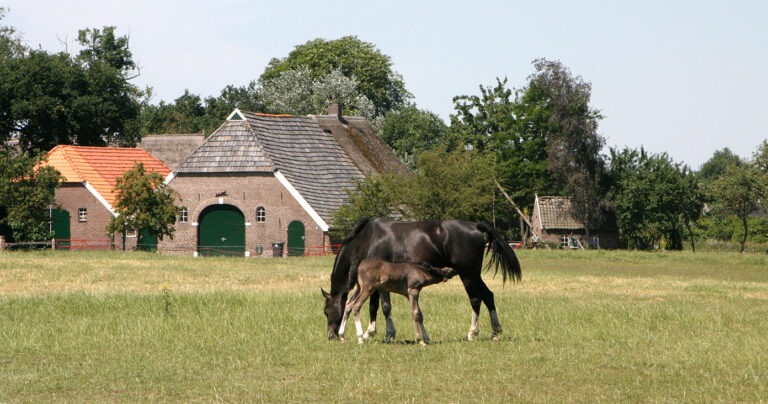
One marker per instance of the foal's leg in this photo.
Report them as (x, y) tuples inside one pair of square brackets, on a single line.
[(361, 298), (418, 318), (373, 308)]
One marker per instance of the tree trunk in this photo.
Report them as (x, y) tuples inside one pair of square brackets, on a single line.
[(744, 239)]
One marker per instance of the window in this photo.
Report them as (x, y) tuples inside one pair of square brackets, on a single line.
[(131, 233), (82, 215), (565, 241), (261, 215), (183, 215)]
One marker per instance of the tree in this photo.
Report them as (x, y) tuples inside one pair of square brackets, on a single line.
[(375, 196), (411, 131), (49, 99), (654, 198), (740, 191), (452, 185), (144, 202), (573, 144), (298, 92), (26, 193), (716, 166), (356, 59), (493, 122)]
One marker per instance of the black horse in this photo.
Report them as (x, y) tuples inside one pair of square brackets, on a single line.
[(458, 244)]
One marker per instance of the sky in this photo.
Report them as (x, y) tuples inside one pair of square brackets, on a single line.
[(686, 78)]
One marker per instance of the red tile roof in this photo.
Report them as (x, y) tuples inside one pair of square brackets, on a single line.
[(100, 167)]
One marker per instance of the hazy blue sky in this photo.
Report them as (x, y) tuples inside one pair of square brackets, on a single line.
[(683, 77)]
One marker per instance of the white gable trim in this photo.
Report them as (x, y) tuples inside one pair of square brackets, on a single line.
[(302, 202), (100, 198), (236, 111)]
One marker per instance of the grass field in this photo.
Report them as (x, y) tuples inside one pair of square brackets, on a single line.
[(582, 326)]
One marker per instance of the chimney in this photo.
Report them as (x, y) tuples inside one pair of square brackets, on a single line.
[(335, 109)]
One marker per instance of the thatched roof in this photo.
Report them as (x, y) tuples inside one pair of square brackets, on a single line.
[(556, 213), (171, 149), (300, 148)]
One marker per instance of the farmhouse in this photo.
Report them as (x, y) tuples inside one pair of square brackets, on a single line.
[(86, 198), (553, 223), (265, 185)]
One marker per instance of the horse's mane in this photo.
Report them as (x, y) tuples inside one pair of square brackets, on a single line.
[(340, 274), (356, 230)]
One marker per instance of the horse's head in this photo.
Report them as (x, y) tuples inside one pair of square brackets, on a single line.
[(334, 310)]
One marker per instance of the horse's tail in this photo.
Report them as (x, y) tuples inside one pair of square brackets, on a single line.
[(502, 254)]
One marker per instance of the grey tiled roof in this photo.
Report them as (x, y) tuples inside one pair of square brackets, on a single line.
[(556, 213), (310, 158)]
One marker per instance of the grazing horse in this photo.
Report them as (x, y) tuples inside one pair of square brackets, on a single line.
[(405, 278), (458, 244)]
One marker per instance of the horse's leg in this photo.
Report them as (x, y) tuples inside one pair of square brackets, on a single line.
[(488, 299), (373, 308), (475, 300), (386, 308), (418, 318)]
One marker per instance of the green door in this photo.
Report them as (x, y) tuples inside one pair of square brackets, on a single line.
[(295, 239), (61, 231), (221, 231), (147, 240)]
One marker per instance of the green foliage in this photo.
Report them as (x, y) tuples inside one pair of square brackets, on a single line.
[(375, 196), (741, 191), (410, 131), (26, 193), (191, 114), (299, 92), (355, 59), (145, 202), (452, 185), (655, 199), (51, 99), (715, 167)]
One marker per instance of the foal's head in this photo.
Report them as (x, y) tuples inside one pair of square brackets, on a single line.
[(334, 309)]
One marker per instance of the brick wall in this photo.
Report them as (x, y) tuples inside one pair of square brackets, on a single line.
[(74, 196), (247, 193)]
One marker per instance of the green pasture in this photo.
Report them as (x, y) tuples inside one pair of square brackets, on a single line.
[(585, 326)]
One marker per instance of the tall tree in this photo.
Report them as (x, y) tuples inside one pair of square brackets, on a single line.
[(411, 131), (573, 144), (26, 192), (49, 99), (357, 59), (144, 202), (300, 92), (716, 166), (654, 198)]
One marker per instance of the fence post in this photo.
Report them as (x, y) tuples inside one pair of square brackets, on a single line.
[(53, 244), (2, 243)]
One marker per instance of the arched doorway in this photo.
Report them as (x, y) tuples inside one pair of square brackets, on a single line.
[(221, 231), (295, 239)]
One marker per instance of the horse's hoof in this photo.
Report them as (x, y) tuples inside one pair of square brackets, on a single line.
[(360, 341), (342, 339), (388, 339), (495, 337)]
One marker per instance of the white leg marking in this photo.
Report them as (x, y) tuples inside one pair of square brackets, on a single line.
[(474, 329), (370, 331)]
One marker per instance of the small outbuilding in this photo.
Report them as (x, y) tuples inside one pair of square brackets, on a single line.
[(553, 223)]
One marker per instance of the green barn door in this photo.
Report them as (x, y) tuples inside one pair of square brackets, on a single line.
[(295, 239), (221, 231), (61, 227), (147, 240)]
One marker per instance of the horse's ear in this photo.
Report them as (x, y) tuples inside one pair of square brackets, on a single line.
[(326, 294)]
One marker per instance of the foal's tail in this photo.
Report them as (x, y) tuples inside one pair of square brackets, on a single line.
[(502, 255)]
